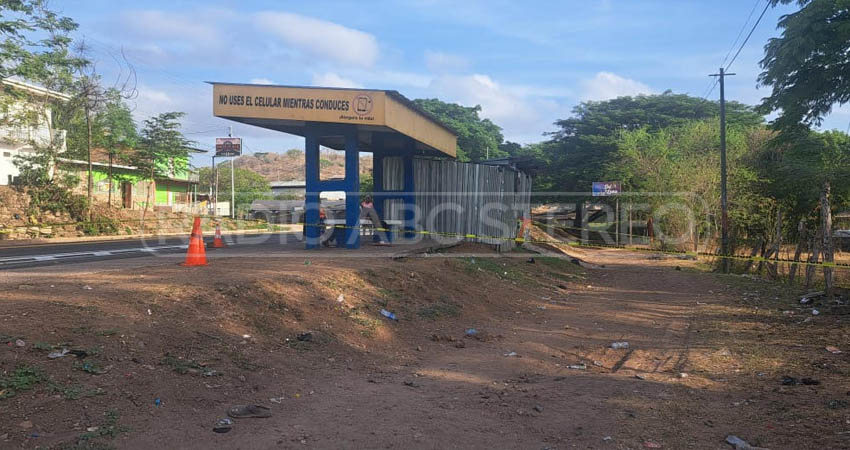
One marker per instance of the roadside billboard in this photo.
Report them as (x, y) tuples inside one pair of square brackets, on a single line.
[(229, 146)]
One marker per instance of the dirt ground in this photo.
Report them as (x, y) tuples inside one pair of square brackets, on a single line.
[(169, 349)]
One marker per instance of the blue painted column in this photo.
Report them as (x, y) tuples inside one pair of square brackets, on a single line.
[(352, 188), (312, 231), (409, 189)]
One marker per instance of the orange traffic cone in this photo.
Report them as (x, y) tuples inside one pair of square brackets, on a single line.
[(196, 256), (217, 242)]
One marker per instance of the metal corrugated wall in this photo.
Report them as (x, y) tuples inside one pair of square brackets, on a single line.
[(393, 181), (463, 198)]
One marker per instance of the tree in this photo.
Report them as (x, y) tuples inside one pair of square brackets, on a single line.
[(367, 185), (35, 44), (117, 130), (96, 100), (807, 66), (811, 171), (162, 150), (586, 142), (35, 48), (250, 185), (478, 139), (681, 158)]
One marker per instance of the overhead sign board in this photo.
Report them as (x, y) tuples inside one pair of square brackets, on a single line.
[(292, 109), (605, 188), (229, 146), (300, 103)]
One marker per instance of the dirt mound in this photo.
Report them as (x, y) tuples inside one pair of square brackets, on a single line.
[(558, 244), (489, 351), (149, 334)]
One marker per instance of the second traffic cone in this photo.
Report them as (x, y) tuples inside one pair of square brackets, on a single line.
[(196, 256), (217, 242)]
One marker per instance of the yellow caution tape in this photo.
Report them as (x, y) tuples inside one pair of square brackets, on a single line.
[(521, 240)]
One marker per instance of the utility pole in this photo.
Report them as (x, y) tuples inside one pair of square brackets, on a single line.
[(214, 187), (232, 178), (724, 217)]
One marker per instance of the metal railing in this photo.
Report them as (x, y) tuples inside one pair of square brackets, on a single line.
[(37, 136)]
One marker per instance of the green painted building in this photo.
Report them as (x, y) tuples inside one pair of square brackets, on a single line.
[(131, 189)]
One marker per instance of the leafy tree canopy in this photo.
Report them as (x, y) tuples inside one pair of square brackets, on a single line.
[(807, 65), (35, 43), (113, 127), (798, 167), (586, 142), (249, 185), (162, 148), (478, 139)]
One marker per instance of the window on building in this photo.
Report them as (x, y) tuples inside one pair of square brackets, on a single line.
[(7, 154)]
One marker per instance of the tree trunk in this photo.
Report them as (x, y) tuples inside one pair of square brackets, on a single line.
[(88, 151), (813, 257), (801, 235), (151, 187), (110, 180), (773, 269), (828, 257), (694, 236), (763, 255), (752, 255)]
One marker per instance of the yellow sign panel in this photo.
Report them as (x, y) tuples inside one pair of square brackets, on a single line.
[(298, 103)]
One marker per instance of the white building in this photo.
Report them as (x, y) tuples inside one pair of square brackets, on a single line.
[(17, 138)]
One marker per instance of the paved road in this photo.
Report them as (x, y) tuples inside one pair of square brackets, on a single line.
[(33, 255)]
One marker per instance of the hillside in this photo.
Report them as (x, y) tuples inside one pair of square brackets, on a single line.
[(289, 166)]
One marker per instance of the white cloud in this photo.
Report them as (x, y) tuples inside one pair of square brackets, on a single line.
[(200, 124), (402, 79), (261, 81), (606, 85), (162, 25), (331, 79), (496, 102), (321, 38), (152, 100), (440, 62), (522, 115)]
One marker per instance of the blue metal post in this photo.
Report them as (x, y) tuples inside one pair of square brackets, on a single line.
[(312, 232), (352, 189), (409, 189)]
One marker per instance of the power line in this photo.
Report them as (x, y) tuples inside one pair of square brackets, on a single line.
[(108, 50), (741, 31), (205, 131), (710, 90), (713, 84), (753, 29)]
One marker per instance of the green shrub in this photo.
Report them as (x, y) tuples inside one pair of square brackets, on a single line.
[(99, 226), (22, 378)]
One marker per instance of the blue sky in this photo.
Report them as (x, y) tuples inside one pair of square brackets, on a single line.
[(526, 63)]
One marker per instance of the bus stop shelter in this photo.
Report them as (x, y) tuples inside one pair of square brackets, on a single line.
[(381, 122)]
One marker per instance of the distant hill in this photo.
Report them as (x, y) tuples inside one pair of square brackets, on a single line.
[(289, 166)]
